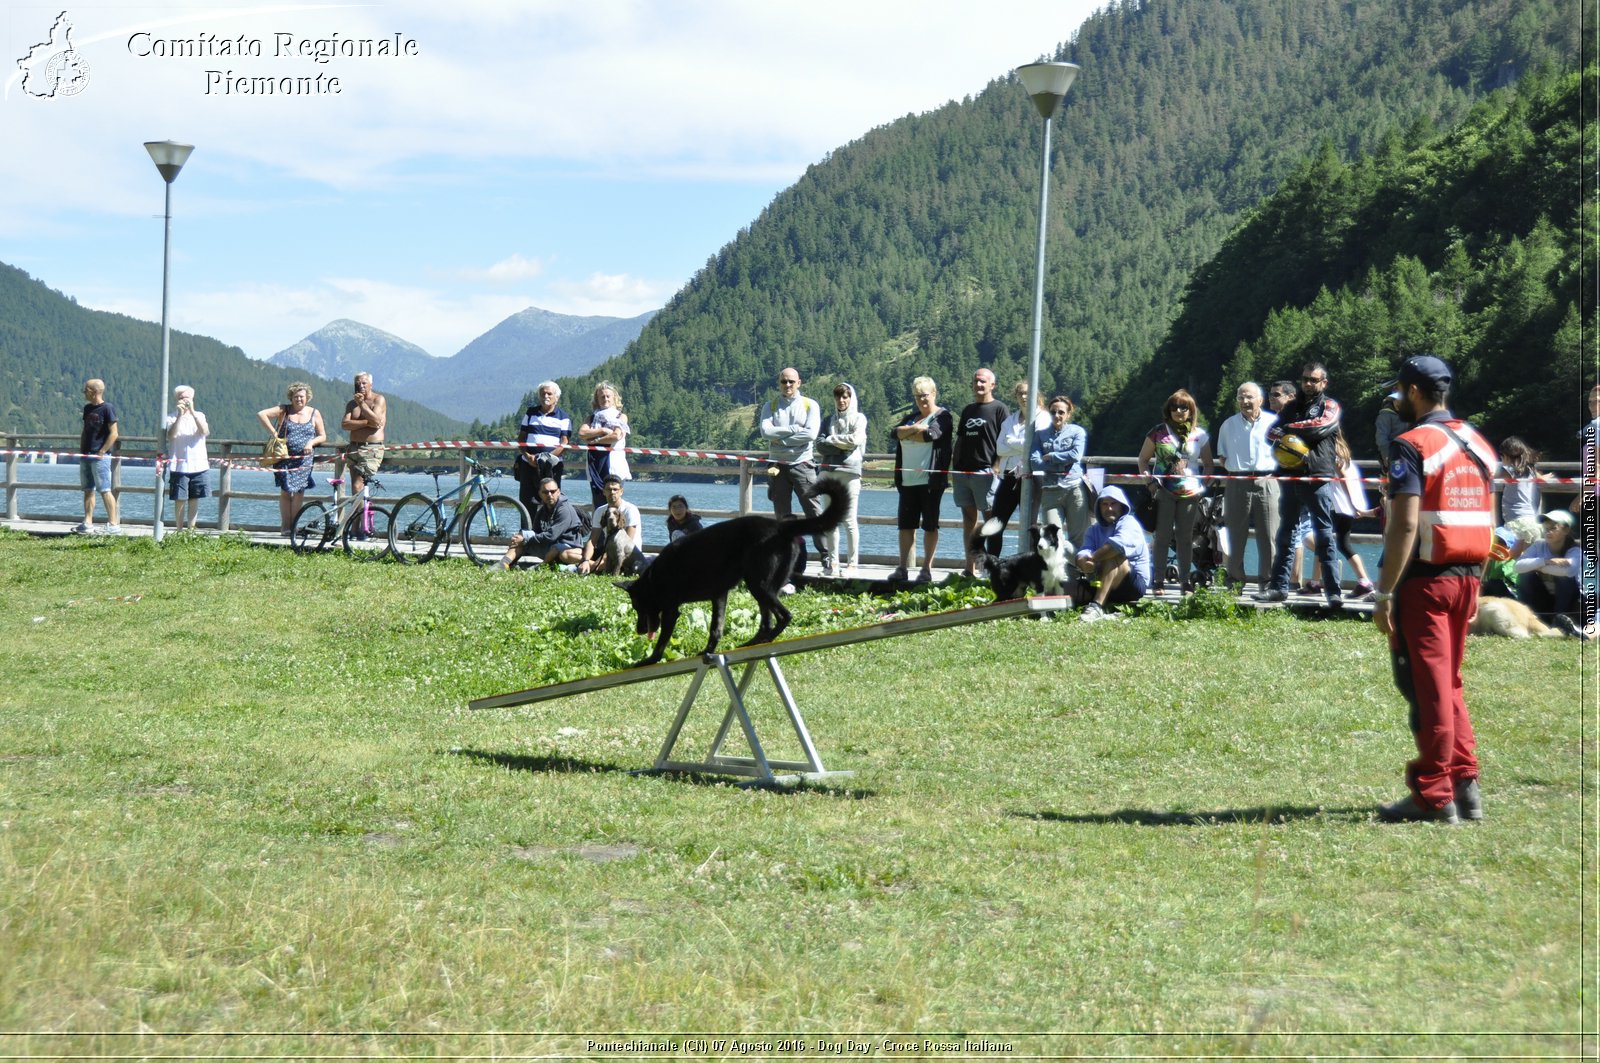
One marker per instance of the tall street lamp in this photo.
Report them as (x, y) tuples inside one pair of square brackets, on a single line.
[(1047, 85), (169, 159)]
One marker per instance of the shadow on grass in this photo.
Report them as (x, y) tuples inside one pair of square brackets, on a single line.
[(540, 765), (1144, 817), (580, 766)]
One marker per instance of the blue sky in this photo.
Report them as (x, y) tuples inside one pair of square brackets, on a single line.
[(583, 157)]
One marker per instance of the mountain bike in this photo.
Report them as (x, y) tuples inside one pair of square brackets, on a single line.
[(486, 521), (360, 525)]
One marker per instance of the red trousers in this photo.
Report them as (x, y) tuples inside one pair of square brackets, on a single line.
[(1427, 649)]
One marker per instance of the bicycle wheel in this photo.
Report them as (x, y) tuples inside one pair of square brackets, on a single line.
[(415, 529), (312, 528), (490, 524), (365, 536)]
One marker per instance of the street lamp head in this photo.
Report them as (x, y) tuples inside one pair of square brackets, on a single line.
[(1047, 84), (168, 156)]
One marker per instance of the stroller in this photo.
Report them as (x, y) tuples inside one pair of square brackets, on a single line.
[(1210, 541), (1210, 544)]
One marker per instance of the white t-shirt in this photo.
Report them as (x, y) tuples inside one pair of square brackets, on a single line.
[(188, 446), (630, 516)]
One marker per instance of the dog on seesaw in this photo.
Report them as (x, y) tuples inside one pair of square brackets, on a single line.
[(1045, 568), (1512, 619), (705, 565)]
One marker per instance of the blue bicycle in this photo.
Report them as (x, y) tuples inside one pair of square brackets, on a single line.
[(486, 522)]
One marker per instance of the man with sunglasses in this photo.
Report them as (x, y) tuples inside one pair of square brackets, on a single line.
[(557, 535), (1314, 418)]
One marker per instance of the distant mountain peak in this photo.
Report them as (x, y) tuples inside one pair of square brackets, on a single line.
[(344, 347)]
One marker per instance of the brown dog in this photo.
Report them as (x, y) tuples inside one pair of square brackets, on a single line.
[(1511, 619)]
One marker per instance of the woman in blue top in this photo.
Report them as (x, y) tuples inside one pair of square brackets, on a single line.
[(1057, 467), (300, 424)]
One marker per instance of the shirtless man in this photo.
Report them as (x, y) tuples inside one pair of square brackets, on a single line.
[(364, 417)]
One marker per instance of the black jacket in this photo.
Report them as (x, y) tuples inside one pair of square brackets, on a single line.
[(1316, 422)]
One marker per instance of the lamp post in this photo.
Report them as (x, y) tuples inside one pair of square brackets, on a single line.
[(1047, 85), (169, 159)]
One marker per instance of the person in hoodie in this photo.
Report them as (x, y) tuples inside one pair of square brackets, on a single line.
[(1114, 557), (840, 447), (1314, 418)]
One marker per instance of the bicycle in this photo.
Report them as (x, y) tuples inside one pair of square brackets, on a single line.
[(418, 526), (361, 527)]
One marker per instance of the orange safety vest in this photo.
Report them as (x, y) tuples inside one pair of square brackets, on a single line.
[(1455, 526)]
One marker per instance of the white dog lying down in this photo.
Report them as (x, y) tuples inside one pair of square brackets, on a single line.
[(1512, 619)]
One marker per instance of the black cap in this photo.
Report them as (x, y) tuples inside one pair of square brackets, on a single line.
[(1425, 371)]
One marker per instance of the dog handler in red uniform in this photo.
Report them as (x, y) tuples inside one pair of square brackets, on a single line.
[(1440, 527)]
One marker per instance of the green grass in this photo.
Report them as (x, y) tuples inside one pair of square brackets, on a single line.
[(243, 810)]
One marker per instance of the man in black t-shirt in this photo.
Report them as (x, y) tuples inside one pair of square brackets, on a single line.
[(974, 465), (94, 457)]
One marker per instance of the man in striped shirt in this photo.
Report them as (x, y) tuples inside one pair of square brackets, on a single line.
[(543, 435)]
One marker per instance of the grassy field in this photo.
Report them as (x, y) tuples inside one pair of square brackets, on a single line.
[(244, 811)]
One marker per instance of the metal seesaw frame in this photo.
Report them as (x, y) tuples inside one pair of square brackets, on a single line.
[(757, 767)]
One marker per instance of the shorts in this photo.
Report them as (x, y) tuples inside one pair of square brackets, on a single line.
[(531, 546), (364, 459), (919, 507), (94, 474), (972, 490), (186, 485), (1126, 591)]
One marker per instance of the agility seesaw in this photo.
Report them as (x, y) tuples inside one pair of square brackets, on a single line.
[(757, 767)]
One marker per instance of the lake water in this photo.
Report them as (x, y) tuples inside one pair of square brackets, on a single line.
[(648, 495)]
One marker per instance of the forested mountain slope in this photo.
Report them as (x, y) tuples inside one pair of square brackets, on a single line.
[(910, 250), (49, 345), (1470, 246)]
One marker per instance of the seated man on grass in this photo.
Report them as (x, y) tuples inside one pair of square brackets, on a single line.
[(556, 537), (1115, 558), (620, 521)]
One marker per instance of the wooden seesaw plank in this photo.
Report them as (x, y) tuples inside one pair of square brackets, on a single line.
[(911, 625)]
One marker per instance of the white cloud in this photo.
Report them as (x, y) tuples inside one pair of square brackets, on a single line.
[(507, 270), (608, 294)]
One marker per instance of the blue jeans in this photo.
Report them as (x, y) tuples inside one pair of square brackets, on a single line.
[(1317, 500)]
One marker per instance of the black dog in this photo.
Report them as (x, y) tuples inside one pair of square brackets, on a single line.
[(705, 565), (1045, 567)]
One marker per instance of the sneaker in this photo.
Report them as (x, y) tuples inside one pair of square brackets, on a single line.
[(925, 576), (1565, 624), (898, 575), (1335, 602), (1409, 810), (1365, 590), (1313, 587), (81, 529), (787, 589), (1271, 594), (1469, 799), (1091, 613), (827, 566), (113, 529)]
